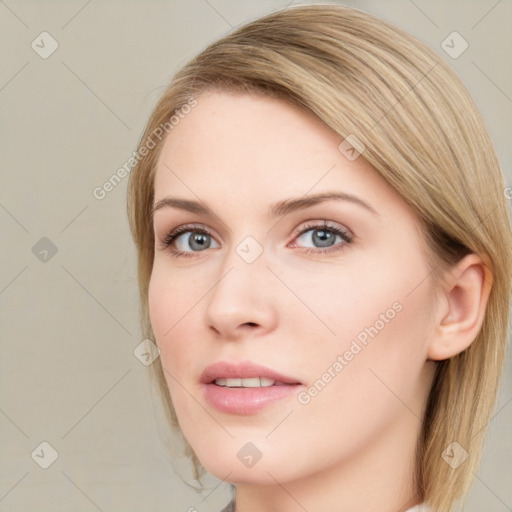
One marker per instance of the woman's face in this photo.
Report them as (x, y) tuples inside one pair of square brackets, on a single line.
[(332, 294)]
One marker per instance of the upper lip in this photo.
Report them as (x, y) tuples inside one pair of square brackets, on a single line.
[(242, 370)]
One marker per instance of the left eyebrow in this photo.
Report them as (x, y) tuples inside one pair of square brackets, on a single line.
[(293, 204), (279, 208)]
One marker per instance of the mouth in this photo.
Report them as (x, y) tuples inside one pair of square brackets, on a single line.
[(245, 387), (244, 374), (250, 382)]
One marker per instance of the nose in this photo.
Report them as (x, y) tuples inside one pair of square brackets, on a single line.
[(243, 300)]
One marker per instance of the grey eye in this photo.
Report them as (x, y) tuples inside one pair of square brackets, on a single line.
[(194, 240)]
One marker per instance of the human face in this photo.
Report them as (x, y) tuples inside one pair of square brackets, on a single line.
[(346, 323)]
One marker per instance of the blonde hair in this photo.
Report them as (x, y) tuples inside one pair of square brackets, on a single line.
[(422, 133)]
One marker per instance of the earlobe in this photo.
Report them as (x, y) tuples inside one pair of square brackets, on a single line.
[(465, 299)]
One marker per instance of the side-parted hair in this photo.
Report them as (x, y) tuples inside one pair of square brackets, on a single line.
[(422, 133)]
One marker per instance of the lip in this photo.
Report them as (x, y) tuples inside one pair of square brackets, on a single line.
[(245, 400), (242, 370)]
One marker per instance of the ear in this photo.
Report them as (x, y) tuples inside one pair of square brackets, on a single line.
[(462, 306)]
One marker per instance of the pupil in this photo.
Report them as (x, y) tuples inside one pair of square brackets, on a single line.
[(322, 237), (200, 240)]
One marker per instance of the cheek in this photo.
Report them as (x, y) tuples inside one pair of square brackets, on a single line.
[(165, 310), (341, 301), (170, 298), (160, 302), (357, 389), (174, 310), (168, 306), (379, 332)]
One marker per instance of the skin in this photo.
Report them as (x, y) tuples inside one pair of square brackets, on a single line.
[(352, 447)]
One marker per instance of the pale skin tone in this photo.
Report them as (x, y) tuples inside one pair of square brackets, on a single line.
[(351, 448)]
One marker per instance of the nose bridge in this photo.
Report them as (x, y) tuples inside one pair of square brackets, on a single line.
[(240, 295), (246, 261)]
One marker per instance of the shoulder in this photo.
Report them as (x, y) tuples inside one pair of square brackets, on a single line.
[(230, 507)]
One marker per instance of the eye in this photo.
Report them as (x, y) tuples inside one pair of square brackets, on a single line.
[(188, 239), (324, 237)]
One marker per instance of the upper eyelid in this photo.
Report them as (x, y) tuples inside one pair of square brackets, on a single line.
[(301, 228)]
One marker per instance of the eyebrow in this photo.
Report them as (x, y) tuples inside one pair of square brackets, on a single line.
[(279, 208)]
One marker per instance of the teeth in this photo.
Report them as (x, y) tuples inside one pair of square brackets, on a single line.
[(254, 382)]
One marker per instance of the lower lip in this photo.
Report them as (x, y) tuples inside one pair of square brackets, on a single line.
[(247, 400)]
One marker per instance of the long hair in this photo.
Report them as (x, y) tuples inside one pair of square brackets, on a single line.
[(422, 132)]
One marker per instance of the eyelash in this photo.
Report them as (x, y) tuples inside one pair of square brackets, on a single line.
[(167, 242)]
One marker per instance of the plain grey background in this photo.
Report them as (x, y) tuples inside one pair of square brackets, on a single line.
[(68, 293)]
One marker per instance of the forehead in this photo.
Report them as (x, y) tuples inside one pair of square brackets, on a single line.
[(229, 127), (254, 149)]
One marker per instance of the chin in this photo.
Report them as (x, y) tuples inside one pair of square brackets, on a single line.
[(231, 467), (250, 476)]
